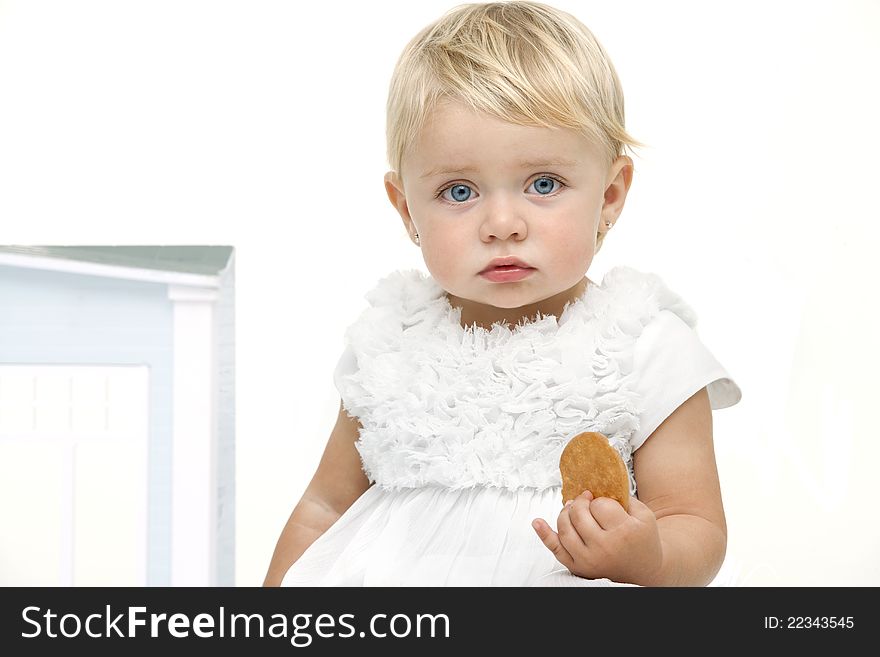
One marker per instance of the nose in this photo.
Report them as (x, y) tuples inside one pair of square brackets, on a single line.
[(502, 220)]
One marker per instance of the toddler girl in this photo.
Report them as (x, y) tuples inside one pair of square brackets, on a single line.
[(459, 389)]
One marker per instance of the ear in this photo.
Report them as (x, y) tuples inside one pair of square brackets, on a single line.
[(620, 175), (394, 189)]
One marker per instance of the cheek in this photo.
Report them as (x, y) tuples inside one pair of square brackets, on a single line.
[(442, 261), (574, 245), (445, 254)]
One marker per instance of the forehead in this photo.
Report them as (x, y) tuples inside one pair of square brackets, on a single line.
[(457, 139)]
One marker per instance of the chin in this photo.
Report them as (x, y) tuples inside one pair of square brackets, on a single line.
[(512, 299)]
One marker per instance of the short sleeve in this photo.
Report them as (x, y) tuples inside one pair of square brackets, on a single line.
[(671, 365), (346, 366)]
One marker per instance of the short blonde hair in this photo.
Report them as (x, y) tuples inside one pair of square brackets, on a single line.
[(520, 61)]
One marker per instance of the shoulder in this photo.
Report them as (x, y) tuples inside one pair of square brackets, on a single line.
[(644, 295), (666, 330), (405, 289), (392, 303), (400, 299), (672, 361), (401, 306)]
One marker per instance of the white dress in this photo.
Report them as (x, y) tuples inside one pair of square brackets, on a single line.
[(462, 428)]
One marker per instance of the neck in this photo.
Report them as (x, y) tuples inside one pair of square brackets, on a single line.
[(485, 316)]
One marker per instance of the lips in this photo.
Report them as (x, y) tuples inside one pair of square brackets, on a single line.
[(506, 263), (508, 269)]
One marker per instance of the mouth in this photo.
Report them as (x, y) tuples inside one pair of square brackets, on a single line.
[(507, 273), (507, 263)]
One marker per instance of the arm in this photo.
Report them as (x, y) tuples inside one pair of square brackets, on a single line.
[(675, 533), (336, 484), (678, 480)]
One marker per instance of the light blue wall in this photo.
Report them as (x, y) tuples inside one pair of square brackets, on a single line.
[(57, 318), (224, 330)]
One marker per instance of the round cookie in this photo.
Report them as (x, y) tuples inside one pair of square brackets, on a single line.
[(589, 462)]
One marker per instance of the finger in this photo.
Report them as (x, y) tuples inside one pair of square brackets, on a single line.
[(608, 513), (581, 516), (551, 540), (569, 536), (585, 495)]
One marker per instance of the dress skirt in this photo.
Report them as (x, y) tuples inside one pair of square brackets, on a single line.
[(438, 536)]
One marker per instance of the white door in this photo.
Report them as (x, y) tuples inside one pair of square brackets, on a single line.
[(73, 475)]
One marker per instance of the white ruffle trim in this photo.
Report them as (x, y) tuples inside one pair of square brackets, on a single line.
[(459, 407)]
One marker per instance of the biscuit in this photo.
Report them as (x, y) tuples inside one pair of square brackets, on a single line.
[(589, 462)]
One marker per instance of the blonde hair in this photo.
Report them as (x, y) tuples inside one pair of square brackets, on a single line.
[(520, 61)]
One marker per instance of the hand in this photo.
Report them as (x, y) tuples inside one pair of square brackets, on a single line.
[(598, 538)]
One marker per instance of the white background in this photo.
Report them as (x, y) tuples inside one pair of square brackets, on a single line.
[(261, 125)]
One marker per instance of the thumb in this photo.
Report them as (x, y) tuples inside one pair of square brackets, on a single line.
[(551, 540)]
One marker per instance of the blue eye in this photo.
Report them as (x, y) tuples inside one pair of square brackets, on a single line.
[(544, 185), (460, 193)]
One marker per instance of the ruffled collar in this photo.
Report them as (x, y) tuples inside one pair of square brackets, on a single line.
[(422, 306), (548, 321)]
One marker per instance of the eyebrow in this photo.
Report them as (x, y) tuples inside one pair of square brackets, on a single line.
[(526, 164)]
